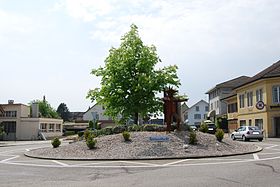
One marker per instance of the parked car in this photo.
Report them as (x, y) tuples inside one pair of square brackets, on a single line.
[(211, 128), (247, 133), (193, 127)]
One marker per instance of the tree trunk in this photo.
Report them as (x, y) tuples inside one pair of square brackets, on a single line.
[(136, 118)]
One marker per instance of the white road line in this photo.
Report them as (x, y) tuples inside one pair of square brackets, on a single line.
[(8, 159), (27, 149), (140, 163), (269, 153), (271, 146), (159, 166), (176, 162), (60, 163), (112, 162), (256, 157)]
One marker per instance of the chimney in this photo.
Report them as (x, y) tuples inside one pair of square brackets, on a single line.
[(10, 102), (35, 110)]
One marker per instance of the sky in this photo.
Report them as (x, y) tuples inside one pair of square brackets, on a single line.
[(49, 47)]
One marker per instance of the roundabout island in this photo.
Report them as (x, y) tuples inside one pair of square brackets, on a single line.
[(146, 146)]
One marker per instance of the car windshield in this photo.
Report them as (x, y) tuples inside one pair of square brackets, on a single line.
[(254, 128)]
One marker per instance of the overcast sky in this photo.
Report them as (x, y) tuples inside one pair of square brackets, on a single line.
[(49, 47)]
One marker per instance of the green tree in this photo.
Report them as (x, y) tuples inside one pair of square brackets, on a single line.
[(1, 130), (63, 112), (46, 109), (129, 81)]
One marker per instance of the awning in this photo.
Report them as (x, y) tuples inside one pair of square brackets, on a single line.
[(211, 113)]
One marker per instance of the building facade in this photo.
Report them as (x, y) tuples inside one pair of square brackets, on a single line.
[(197, 113), (220, 91), (20, 124), (257, 102)]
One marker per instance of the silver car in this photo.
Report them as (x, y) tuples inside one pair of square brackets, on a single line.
[(247, 132)]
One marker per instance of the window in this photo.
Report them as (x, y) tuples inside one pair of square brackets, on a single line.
[(205, 116), (259, 123), (58, 127), (51, 127), (241, 101), (197, 108), (43, 127), (10, 113), (250, 122), (242, 123), (197, 116), (276, 94), (259, 95), (211, 106), (232, 108), (250, 99), (206, 108)]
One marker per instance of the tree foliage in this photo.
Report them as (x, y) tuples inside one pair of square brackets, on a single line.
[(63, 112), (129, 81), (46, 109)]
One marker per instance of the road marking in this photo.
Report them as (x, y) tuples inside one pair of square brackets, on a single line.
[(271, 146), (176, 162), (8, 159), (256, 157), (112, 162), (60, 163), (27, 149)]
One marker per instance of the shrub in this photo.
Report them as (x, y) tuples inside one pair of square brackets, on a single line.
[(91, 142), (219, 134), (86, 134), (203, 128), (108, 130), (56, 142), (192, 138), (118, 129), (135, 128), (80, 134), (153, 127), (126, 135), (69, 133), (90, 125)]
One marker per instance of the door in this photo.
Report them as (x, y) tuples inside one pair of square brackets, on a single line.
[(277, 126), (10, 130)]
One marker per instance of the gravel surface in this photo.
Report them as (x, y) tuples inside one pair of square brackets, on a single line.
[(141, 147)]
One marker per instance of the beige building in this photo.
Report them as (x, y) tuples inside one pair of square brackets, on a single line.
[(20, 124), (257, 102)]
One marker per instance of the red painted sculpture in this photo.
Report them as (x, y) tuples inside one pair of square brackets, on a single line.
[(172, 108)]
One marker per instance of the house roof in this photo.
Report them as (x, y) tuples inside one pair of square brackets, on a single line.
[(270, 72), (230, 83), (197, 103)]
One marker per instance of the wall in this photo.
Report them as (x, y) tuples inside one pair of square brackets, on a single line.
[(192, 111), (99, 110)]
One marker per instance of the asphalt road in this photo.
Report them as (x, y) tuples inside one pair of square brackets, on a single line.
[(260, 169)]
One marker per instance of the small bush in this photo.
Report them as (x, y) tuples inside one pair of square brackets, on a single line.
[(91, 142), (192, 138), (118, 129), (219, 134), (86, 134), (126, 135), (203, 128), (153, 127), (56, 142), (135, 127), (69, 133), (80, 134), (90, 125)]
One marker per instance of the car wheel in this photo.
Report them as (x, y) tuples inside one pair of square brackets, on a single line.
[(232, 137), (261, 139), (244, 138)]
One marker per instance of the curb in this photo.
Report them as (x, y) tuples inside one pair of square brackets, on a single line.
[(155, 158)]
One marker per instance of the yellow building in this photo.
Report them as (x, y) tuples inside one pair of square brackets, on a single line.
[(257, 102)]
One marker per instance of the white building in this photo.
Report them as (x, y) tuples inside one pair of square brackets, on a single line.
[(97, 112), (20, 124), (220, 91), (197, 113)]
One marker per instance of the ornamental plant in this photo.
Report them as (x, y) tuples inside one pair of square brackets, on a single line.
[(192, 138), (203, 128), (219, 134), (56, 142), (91, 142), (86, 134), (126, 135)]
